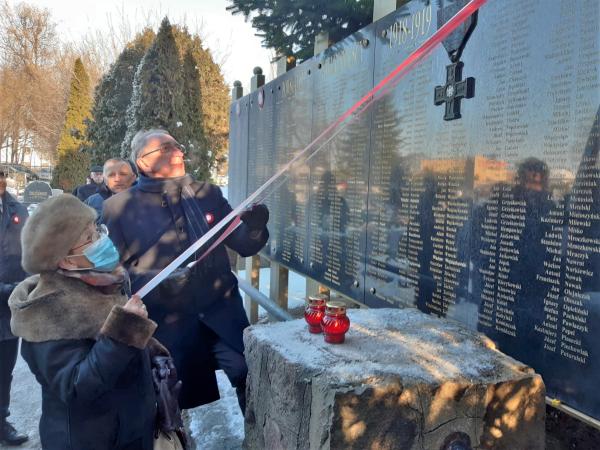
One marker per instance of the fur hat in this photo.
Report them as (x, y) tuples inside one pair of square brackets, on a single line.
[(52, 230)]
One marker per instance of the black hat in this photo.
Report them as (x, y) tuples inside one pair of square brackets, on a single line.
[(96, 169)]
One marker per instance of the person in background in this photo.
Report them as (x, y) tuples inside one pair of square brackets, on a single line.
[(12, 218), (87, 344), (199, 313), (96, 181), (118, 176)]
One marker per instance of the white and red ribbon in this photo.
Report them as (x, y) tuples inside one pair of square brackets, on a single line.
[(232, 220)]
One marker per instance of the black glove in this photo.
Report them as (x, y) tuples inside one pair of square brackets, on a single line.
[(176, 282), (167, 389), (256, 217)]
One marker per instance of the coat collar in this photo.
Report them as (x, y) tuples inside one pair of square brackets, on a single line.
[(50, 307), (9, 200), (104, 191)]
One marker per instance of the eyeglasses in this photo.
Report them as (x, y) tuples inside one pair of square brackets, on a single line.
[(101, 230), (166, 148)]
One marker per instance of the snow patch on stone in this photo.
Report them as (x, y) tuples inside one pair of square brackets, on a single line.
[(390, 342)]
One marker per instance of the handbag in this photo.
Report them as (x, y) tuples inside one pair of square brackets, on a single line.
[(169, 433), (168, 441)]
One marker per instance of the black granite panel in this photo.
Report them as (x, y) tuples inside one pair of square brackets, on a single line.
[(292, 94), (338, 173), (492, 219), (401, 194), (261, 144), (238, 151)]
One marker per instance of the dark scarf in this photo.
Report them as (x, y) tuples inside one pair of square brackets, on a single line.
[(159, 185), (182, 188)]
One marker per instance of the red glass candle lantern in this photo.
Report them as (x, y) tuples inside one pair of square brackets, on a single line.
[(335, 322), (314, 312)]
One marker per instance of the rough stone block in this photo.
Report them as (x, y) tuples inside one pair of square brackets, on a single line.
[(402, 380)]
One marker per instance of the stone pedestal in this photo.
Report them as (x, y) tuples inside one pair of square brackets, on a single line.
[(402, 380)]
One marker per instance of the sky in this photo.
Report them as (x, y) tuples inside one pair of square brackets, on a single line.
[(229, 37)]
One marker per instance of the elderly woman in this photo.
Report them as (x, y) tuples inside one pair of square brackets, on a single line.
[(85, 342)]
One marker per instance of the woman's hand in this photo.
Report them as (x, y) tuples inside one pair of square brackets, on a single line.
[(135, 305)]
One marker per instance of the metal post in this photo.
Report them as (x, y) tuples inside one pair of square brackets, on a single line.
[(278, 286), (253, 276), (238, 91), (284, 64), (257, 80), (314, 288), (321, 42)]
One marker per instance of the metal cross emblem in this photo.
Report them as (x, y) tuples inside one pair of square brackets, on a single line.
[(455, 89)]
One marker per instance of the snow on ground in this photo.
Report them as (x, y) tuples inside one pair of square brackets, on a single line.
[(25, 405), (218, 426)]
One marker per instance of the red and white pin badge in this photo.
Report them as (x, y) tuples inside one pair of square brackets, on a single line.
[(210, 218), (16, 219)]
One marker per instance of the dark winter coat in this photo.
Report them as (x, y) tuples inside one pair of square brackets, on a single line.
[(147, 225), (97, 200), (12, 220), (86, 190), (91, 358)]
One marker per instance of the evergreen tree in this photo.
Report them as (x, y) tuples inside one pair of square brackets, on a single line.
[(215, 103), (71, 170), (290, 26), (157, 99), (73, 167), (194, 140), (113, 95), (214, 96)]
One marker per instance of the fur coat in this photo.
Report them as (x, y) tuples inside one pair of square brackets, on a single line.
[(92, 360)]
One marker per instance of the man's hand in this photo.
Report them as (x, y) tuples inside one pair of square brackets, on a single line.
[(136, 306), (256, 217)]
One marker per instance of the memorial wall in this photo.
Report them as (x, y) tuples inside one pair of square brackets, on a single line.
[(477, 200)]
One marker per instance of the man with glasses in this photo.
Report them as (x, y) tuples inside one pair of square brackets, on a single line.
[(200, 314), (12, 218)]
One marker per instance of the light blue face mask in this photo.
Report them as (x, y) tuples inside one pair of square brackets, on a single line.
[(102, 254)]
